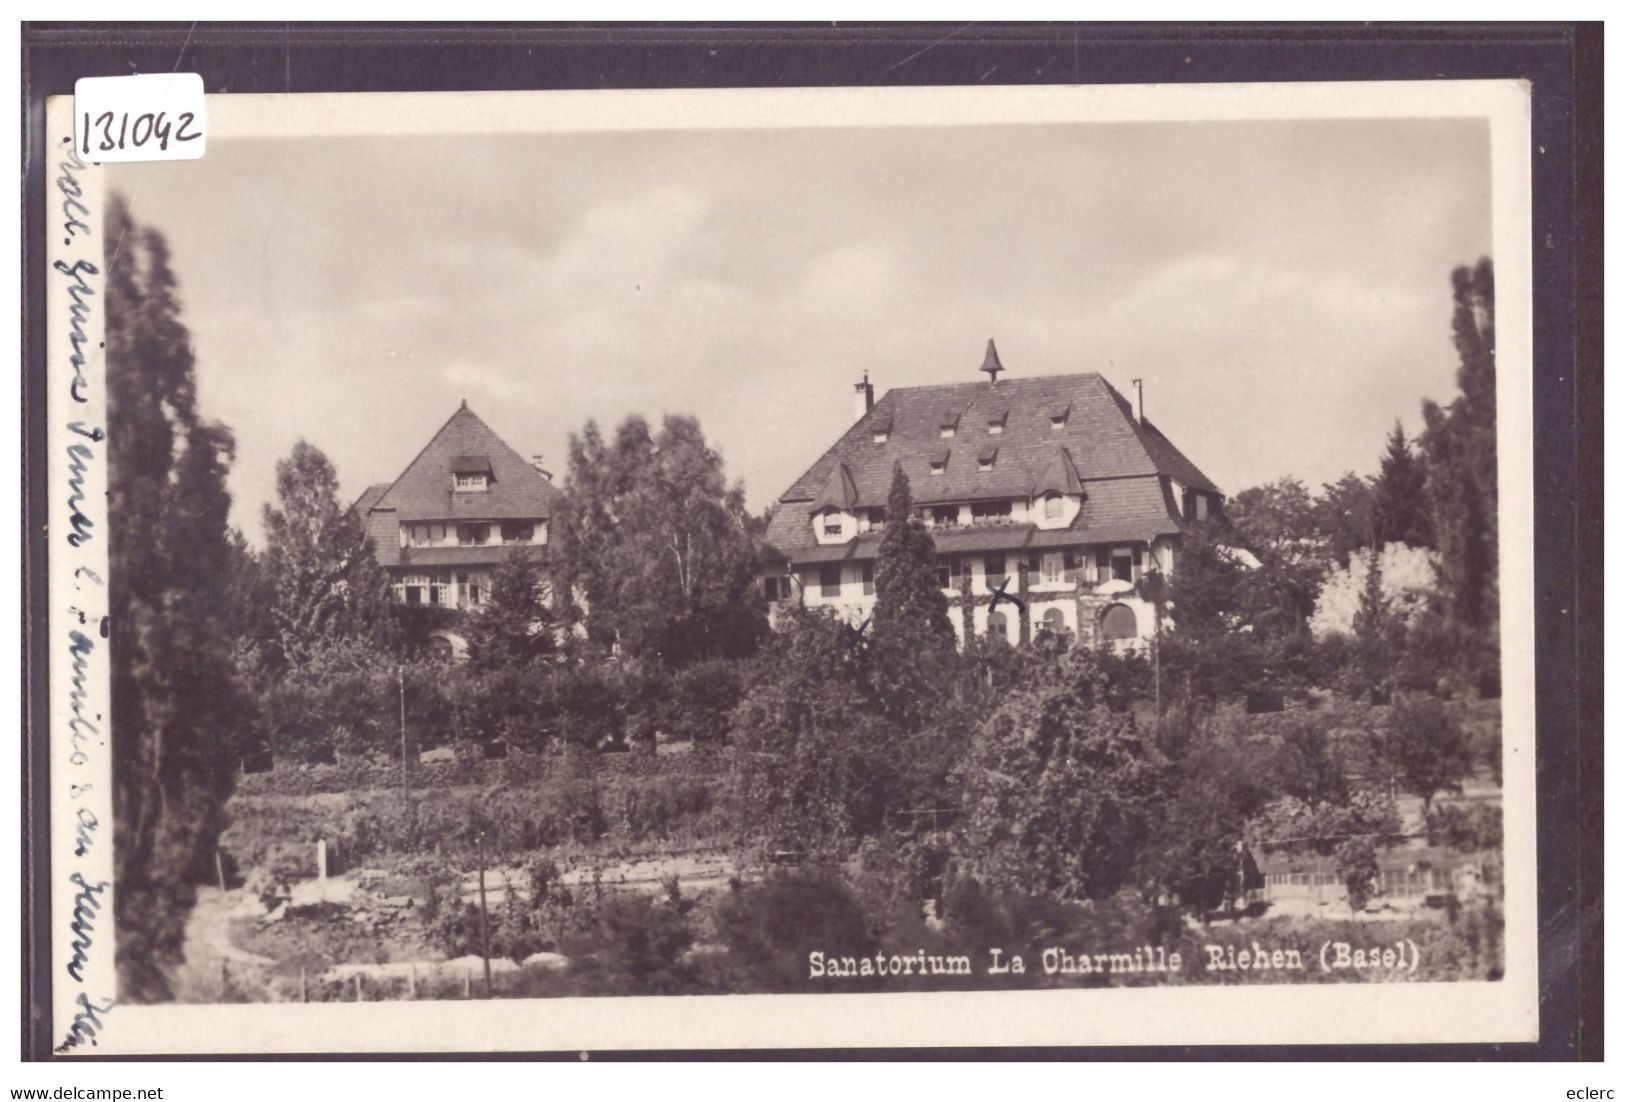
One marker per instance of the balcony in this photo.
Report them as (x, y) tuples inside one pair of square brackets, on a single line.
[(1005, 521)]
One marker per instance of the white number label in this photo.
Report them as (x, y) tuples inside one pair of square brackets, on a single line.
[(148, 117)]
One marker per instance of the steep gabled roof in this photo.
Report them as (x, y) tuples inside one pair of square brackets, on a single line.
[(424, 491), (1098, 445), (1100, 432)]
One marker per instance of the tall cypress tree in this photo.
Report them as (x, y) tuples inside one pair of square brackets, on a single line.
[(175, 706), (915, 656), (1459, 446), (1400, 508), (914, 642)]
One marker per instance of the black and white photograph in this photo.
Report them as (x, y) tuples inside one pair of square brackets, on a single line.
[(646, 548)]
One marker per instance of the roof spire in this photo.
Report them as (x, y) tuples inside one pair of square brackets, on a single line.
[(991, 364)]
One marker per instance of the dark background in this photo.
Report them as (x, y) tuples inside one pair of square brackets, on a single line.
[(1563, 63)]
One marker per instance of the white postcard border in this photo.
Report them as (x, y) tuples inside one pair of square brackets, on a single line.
[(1345, 1013)]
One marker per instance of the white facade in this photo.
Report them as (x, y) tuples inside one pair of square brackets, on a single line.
[(1082, 601)]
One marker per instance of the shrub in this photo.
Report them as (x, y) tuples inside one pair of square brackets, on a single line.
[(770, 927), (703, 698), (643, 700), (585, 704), (661, 807), (576, 800), (1467, 828), (1357, 866), (634, 945)]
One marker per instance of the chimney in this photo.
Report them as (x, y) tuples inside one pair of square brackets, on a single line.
[(536, 462), (1139, 400), (865, 392)]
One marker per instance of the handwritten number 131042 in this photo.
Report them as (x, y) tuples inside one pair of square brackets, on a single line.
[(139, 131)]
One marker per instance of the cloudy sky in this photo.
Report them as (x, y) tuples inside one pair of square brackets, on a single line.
[(1282, 287)]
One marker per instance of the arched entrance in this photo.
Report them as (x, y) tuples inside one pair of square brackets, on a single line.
[(1119, 623)]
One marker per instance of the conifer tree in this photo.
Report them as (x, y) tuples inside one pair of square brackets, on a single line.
[(915, 652), (910, 610), (1371, 627), (1400, 512), (1460, 452), (515, 629), (175, 706), (1460, 445)]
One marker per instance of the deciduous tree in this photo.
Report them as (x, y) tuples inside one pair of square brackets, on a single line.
[(817, 762), (1426, 748), (1343, 516), (325, 581), (659, 545), (1059, 795)]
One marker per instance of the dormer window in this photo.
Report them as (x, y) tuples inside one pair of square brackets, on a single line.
[(946, 431), (995, 421), (1058, 414), (880, 430), (881, 436), (1052, 506), (985, 461), (949, 424), (471, 473), (834, 524)]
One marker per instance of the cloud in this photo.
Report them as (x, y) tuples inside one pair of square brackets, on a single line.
[(1283, 288)]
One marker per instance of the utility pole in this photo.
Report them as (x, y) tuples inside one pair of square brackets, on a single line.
[(1156, 660), (485, 921), (1156, 669), (400, 677), (1157, 587)]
